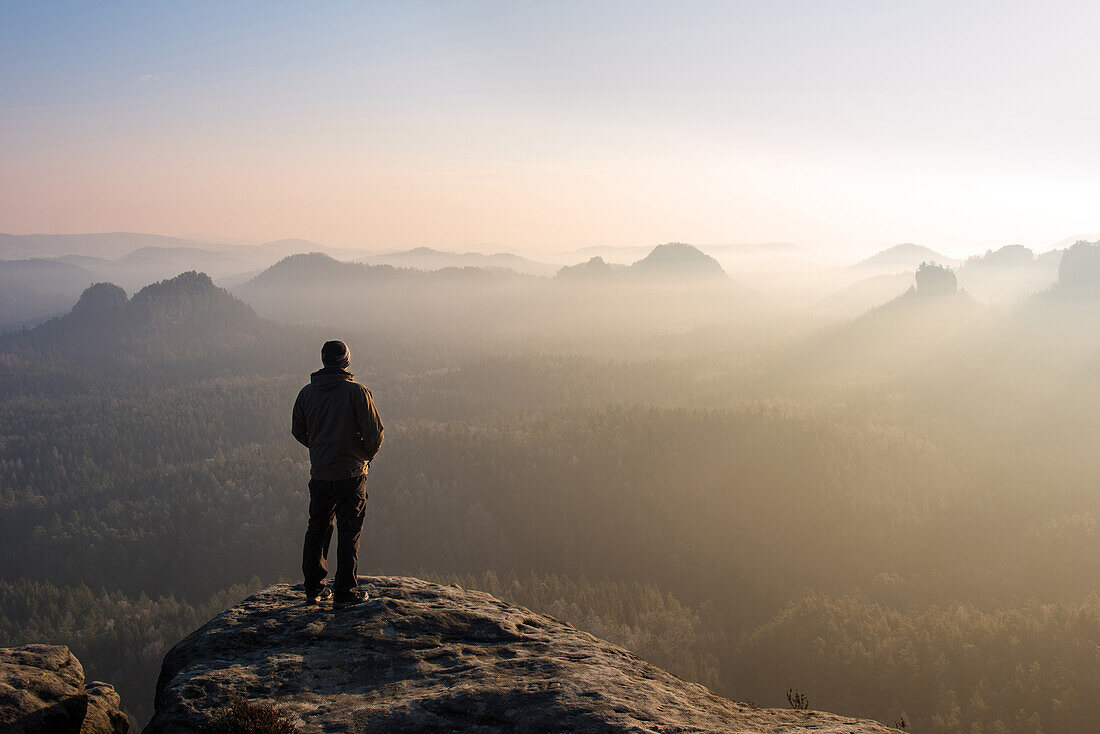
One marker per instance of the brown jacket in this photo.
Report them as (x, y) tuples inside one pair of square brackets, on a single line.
[(335, 419)]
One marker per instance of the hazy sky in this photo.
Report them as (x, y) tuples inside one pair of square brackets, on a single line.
[(541, 126)]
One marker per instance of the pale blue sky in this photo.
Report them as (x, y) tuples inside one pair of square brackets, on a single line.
[(548, 125)]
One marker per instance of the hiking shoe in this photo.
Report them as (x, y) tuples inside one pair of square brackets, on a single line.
[(349, 598), (316, 596)]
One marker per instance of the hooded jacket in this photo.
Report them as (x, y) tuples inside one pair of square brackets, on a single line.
[(335, 419)]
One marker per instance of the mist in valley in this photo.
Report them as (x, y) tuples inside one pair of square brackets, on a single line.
[(892, 511), (762, 340)]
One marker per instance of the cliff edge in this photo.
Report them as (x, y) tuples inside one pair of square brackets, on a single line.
[(43, 691), (423, 657)]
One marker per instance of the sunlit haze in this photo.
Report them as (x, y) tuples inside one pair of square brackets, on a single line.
[(550, 366), (846, 126)]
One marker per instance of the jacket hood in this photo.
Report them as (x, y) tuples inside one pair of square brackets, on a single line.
[(329, 377)]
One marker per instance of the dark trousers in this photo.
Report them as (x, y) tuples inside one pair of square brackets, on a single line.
[(346, 502)]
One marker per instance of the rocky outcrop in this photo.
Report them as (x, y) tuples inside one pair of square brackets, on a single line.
[(104, 710), (42, 690), (100, 301), (935, 281), (595, 269), (677, 260), (1079, 272), (421, 657)]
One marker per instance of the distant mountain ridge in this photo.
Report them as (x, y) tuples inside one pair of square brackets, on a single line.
[(425, 258), (112, 245), (1009, 273), (133, 261), (670, 261), (97, 244), (1078, 273), (317, 268), (479, 302), (36, 289), (299, 269), (627, 254), (595, 269), (678, 259), (311, 286), (289, 246), (906, 256), (182, 317)]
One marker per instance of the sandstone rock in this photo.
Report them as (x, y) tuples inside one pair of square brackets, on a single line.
[(42, 690), (104, 710), (422, 657)]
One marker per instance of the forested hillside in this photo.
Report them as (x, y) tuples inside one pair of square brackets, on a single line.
[(896, 517)]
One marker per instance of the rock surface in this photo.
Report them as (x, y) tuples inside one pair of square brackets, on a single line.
[(422, 657), (42, 690), (104, 710)]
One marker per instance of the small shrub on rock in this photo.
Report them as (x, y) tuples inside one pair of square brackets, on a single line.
[(246, 717), (797, 700)]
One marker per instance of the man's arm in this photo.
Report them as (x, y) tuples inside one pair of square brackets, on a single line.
[(298, 422), (370, 425)]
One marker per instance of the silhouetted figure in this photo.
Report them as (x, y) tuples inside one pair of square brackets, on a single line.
[(334, 417)]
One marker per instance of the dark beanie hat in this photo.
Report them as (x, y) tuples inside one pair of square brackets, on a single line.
[(335, 354)]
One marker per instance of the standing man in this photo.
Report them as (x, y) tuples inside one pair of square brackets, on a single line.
[(334, 417)]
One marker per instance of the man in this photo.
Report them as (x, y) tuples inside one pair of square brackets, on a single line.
[(334, 417)]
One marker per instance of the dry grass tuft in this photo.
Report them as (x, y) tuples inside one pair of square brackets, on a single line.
[(246, 717)]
